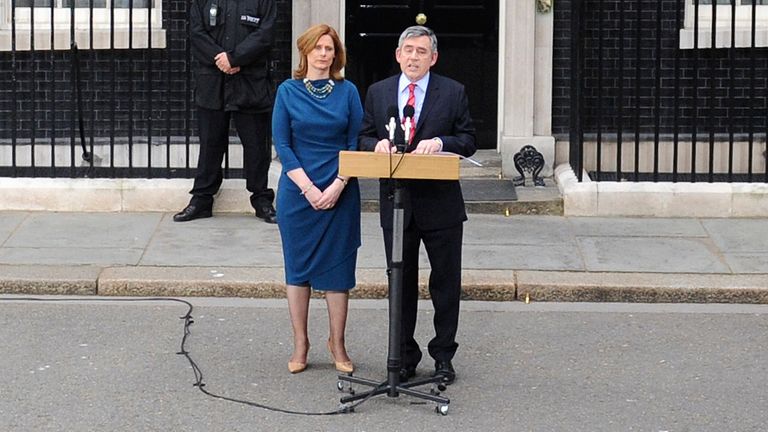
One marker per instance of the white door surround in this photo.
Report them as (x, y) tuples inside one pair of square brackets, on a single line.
[(525, 73)]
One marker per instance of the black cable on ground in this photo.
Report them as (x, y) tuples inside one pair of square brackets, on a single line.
[(188, 321)]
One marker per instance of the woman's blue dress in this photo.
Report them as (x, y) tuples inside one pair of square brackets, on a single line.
[(319, 246)]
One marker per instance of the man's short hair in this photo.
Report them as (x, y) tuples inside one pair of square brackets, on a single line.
[(417, 31)]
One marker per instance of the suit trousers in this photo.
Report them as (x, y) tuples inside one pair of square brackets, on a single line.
[(443, 248), (213, 127)]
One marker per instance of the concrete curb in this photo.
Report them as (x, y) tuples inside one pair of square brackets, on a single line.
[(171, 195), (642, 287), (41, 280), (486, 285), (660, 199)]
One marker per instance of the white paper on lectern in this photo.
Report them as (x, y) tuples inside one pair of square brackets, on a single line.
[(476, 163)]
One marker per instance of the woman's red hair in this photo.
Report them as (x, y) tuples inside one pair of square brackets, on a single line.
[(307, 42)]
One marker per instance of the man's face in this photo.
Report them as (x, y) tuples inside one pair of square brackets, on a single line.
[(416, 57)]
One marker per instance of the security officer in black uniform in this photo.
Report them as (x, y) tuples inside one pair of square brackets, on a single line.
[(231, 41)]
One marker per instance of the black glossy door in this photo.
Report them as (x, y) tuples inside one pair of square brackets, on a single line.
[(467, 34)]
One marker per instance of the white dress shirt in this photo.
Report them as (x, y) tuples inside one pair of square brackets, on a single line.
[(420, 91)]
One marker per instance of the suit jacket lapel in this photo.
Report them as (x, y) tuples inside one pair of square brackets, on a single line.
[(431, 99)]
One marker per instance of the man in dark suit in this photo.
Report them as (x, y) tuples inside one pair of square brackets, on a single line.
[(433, 209)]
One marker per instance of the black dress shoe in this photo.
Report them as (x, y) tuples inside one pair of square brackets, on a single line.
[(192, 212), (407, 373), (445, 368), (267, 213)]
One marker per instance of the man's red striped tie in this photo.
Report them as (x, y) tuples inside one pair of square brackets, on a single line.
[(412, 102)]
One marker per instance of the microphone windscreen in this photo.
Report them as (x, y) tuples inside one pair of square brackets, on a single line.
[(392, 111), (408, 111)]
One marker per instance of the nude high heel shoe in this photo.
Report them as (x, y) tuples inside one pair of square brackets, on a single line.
[(296, 367), (343, 367)]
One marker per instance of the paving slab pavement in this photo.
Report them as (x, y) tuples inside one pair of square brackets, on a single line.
[(533, 258)]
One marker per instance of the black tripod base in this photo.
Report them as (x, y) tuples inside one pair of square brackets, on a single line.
[(393, 388)]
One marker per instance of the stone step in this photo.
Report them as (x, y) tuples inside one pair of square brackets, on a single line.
[(484, 196), (486, 192)]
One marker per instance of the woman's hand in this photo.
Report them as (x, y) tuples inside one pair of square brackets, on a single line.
[(313, 195), (329, 196)]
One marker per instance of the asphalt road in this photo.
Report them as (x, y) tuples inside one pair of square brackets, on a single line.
[(85, 365)]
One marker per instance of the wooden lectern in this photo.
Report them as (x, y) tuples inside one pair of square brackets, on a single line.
[(397, 166), (443, 166)]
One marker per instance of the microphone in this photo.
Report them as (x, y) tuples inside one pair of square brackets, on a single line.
[(392, 125), (400, 142), (408, 113)]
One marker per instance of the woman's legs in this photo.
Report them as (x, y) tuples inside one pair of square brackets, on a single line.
[(298, 306), (337, 319)]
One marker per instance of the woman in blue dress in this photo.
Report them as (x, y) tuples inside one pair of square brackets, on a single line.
[(317, 114)]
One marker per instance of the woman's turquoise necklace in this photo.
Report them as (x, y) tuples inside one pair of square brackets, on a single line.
[(319, 92)]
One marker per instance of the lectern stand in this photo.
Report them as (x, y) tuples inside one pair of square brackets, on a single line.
[(397, 167)]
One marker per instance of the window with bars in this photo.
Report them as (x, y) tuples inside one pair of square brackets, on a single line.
[(97, 4), (110, 21), (728, 2), (724, 13), (731, 20)]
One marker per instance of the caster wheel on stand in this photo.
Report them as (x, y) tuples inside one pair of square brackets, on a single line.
[(340, 386)]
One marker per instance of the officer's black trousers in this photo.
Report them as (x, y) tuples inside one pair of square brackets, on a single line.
[(213, 127)]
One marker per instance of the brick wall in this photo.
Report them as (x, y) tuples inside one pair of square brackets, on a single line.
[(124, 92), (717, 82)]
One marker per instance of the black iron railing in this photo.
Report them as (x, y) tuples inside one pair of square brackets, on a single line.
[(103, 88), (97, 87), (668, 90)]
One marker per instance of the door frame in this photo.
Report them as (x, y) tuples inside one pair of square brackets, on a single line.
[(524, 94)]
